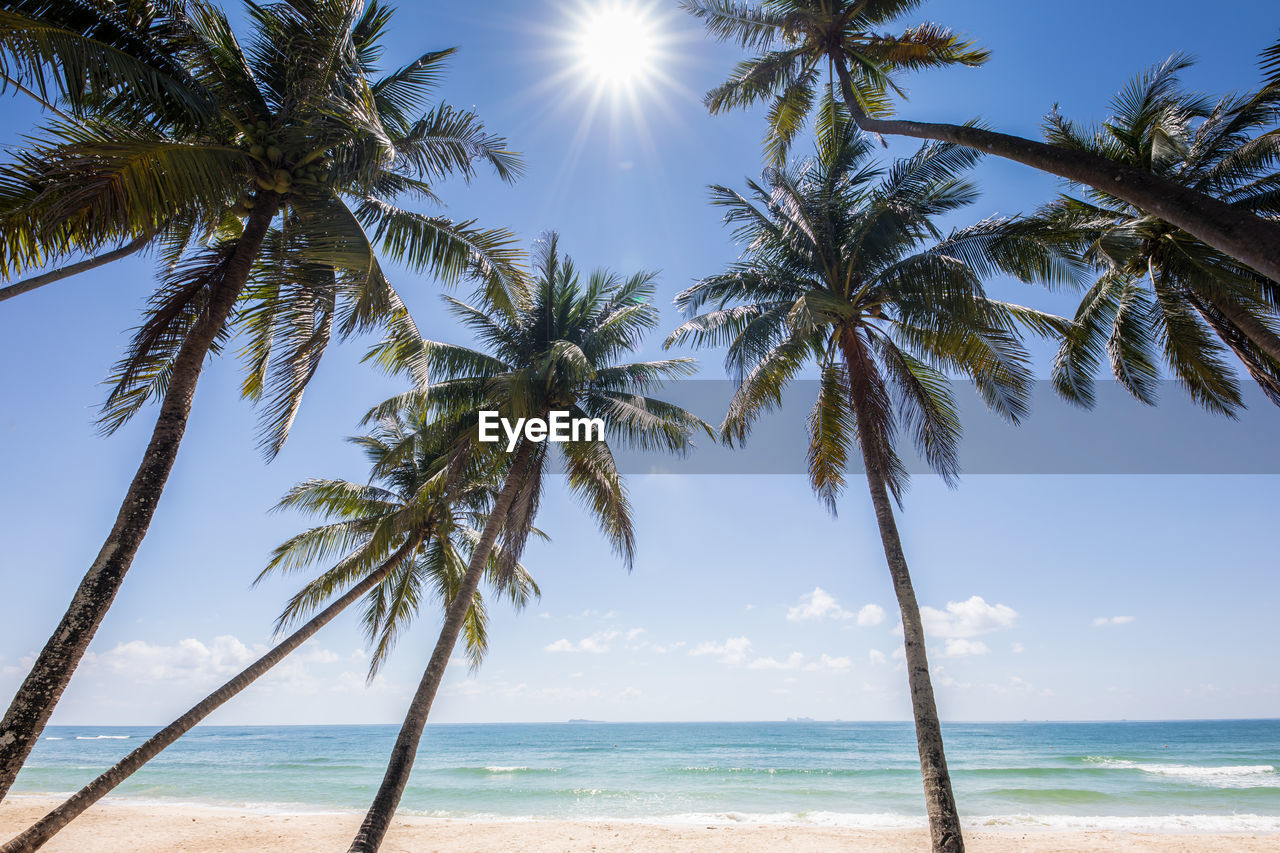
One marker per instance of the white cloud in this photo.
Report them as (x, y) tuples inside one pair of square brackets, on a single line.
[(194, 662), (629, 693), (792, 662), (818, 604), (969, 618), (349, 682), (870, 614), (466, 687), (876, 656), (1017, 685), (1112, 620), (731, 651), (596, 644), (189, 660), (959, 648), (319, 655), (23, 666), (565, 695), (1018, 648), (826, 662)]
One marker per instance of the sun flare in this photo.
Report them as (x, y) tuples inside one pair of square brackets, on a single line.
[(617, 45)]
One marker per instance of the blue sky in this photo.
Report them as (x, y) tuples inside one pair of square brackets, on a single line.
[(1050, 596)]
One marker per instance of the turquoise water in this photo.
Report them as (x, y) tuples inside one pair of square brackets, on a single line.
[(1210, 776)]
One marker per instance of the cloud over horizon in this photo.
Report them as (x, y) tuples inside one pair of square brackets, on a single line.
[(965, 619)]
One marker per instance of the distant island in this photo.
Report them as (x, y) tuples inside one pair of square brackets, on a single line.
[(586, 721)]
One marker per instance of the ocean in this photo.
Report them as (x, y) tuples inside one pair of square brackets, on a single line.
[(1211, 776)]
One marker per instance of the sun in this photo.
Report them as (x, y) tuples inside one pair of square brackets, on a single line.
[(617, 45), (613, 76)]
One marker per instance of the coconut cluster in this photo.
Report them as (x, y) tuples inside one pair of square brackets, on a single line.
[(275, 172)]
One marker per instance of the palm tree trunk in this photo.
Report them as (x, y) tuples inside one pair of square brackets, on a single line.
[(36, 835), (43, 686), (1248, 238), (29, 284), (1248, 324), (944, 819), (940, 802), (378, 819)]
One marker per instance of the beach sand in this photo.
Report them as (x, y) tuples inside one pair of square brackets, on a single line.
[(121, 827)]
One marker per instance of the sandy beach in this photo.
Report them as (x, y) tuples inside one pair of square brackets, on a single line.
[(120, 827)]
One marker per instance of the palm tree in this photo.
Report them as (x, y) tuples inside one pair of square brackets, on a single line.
[(27, 285), (554, 354), (75, 59), (1160, 289), (177, 71), (412, 524), (800, 39), (853, 275), (270, 173), (1270, 61)]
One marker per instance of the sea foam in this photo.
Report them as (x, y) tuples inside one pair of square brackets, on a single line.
[(1132, 823), (843, 820), (1229, 776)]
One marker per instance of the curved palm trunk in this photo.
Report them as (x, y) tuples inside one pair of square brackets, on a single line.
[(29, 284), (43, 686), (1248, 324), (376, 822), (940, 802), (1248, 238), (35, 836)]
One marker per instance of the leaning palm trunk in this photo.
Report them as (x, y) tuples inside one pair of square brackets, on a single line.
[(35, 836), (1248, 323), (1249, 239), (29, 284), (940, 802), (944, 820), (376, 822), (43, 686)]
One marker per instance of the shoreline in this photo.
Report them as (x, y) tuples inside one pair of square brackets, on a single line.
[(118, 824)]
